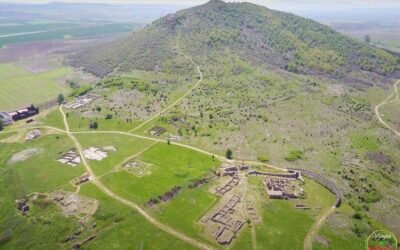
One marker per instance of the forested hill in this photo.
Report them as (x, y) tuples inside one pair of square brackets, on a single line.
[(254, 33)]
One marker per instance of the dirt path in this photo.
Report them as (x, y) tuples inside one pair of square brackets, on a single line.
[(126, 202), (95, 180), (395, 94), (127, 159), (180, 98), (309, 239)]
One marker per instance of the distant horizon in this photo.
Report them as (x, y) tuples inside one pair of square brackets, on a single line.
[(281, 4)]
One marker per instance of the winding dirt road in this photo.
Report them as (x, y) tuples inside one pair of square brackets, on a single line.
[(394, 95), (134, 206), (309, 239), (96, 181), (180, 98)]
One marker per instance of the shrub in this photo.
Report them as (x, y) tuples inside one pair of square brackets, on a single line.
[(93, 125), (357, 216), (81, 90), (263, 158), (60, 99), (294, 155), (229, 154)]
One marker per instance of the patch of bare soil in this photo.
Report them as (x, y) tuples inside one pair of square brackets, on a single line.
[(24, 155), (322, 240), (73, 204)]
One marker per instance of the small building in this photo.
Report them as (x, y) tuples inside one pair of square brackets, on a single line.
[(24, 113), (6, 118)]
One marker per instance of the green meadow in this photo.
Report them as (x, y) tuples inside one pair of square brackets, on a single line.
[(125, 148), (19, 88), (122, 228), (281, 221), (46, 226), (175, 166), (189, 206), (80, 123)]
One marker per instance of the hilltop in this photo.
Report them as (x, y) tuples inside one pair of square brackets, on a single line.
[(253, 33)]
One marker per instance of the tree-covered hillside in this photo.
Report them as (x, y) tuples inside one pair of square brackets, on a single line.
[(256, 34)]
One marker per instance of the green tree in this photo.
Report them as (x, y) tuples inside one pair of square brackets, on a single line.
[(60, 99), (93, 125), (294, 155), (367, 38), (1, 125), (229, 154)]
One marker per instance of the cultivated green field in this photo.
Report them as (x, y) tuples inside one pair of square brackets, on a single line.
[(19, 88), (52, 31)]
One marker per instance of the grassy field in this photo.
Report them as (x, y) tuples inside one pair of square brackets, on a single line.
[(125, 146), (60, 31), (81, 123), (244, 241), (282, 221), (335, 233), (42, 172), (175, 166), (19, 88), (53, 119), (45, 227), (188, 206), (121, 228)]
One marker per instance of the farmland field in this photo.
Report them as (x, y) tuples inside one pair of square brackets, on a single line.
[(25, 33), (19, 88)]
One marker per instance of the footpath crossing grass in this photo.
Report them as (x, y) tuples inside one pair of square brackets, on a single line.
[(125, 146), (282, 221), (175, 166), (19, 88), (121, 228)]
